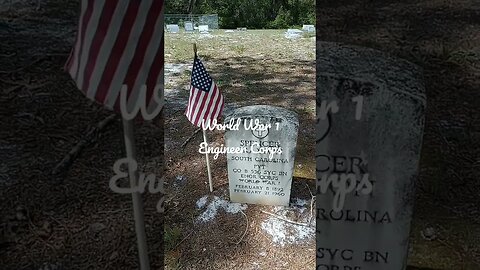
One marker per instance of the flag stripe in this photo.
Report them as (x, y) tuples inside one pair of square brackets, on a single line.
[(154, 57), (196, 96), (208, 113), (117, 43), (119, 46), (197, 105), (128, 53), (98, 39), (139, 56), (203, 107), (88, 40), (206, 101), (105, 49), (211, 103), (221, 108), (155, 69), (217, 106), (189, 106)]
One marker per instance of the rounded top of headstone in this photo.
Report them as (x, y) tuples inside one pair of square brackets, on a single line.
[(263, 111), (350, 61)]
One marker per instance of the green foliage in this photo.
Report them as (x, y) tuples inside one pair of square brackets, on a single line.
[(253, 14), (172, 236), (283, 20)]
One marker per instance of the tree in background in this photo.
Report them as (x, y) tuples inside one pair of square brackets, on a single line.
[(250, 13)]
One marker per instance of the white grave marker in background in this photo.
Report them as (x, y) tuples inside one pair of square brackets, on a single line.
[(173, 28), (189, 27), (203, 28), (308, 28), (293, 33)]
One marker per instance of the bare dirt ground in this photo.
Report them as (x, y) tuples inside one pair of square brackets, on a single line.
[(256, 67), (69, 220), (443, 37)]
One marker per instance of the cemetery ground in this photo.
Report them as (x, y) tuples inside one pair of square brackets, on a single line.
[(254, 67)]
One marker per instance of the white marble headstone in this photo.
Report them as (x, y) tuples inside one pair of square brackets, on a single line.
[(173, 28), (189, 26), (310, 28), (370, 117), (254, 175), (203, 28), (293, 33)]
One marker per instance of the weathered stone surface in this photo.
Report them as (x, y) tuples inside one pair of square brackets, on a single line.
[(377, 145), (173, 28), (308, 28), (293, 33), (203, 28), (261, 178), (189, 26)]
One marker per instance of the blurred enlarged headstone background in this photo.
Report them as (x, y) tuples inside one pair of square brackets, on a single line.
[(443, 39), (368, 147)]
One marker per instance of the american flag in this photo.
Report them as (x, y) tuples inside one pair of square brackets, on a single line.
[(118, 44), (205, 102)]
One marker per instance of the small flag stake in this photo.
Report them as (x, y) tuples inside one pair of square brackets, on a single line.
[(136, 196), (208, 162), (205, 102)]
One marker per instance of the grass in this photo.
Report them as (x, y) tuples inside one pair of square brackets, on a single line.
[(171, 237), (256, 67), (259, 44)]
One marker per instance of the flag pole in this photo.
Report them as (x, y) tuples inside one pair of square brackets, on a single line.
[(205, 141), (136, 196), (208, 162)]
